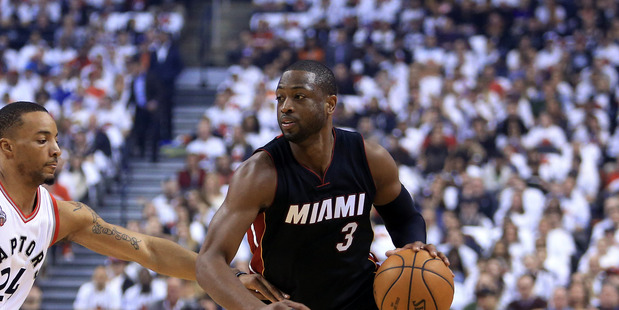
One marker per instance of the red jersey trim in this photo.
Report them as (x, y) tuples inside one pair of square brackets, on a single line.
[(23, 217), (256, 233), (324, 175), (56, 220)]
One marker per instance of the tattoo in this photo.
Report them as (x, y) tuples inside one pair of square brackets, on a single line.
[(78, 206), (99, 229)]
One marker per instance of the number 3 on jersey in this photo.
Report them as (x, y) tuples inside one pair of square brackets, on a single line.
[(6, 272), (348, 230)]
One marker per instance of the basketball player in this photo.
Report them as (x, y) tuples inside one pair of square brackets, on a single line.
[(31, 220), (306, 198)]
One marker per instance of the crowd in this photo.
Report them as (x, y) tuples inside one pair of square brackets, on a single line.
[(501, 114), (105, 71), (81, 60)]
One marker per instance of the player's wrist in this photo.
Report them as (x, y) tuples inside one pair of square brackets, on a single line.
[(239, 273)]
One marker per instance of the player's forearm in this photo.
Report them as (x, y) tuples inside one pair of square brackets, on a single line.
[(171, 259), (402, 220), (215, 277)]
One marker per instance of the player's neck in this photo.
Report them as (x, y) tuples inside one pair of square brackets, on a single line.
[(23, 195), (315, 153)]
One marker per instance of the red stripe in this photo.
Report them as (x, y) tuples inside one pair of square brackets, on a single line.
[(257, 262), (56, 219), (24, 218)]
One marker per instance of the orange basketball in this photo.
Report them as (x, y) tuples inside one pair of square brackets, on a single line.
[(413, 280)]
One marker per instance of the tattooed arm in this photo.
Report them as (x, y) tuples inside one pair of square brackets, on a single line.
[(80, 224)]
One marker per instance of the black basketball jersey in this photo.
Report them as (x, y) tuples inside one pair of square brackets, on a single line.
[(314, 241)]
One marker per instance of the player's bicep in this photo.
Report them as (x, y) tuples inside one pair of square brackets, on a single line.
[(384, 172), (251, 189)]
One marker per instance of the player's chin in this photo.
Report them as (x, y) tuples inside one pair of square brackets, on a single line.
[(294, 138), (49, 180)]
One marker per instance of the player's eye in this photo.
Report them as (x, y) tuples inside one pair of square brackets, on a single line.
[(299, 96), (41, 141)]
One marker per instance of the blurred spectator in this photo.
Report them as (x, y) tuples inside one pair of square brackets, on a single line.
[(224, 113), (610, 221), (34, 300), (119, 280), (462, 257), (527, 298), (206, 145), (173, 298), (238, 147), (609, 297), (165, 64), (166, 202), (436, 148), (486, 299), (560, 300), (145, 293), (98, 294), (145, 101), (223, 169), (74, 179), (579, 295), (192, 176)]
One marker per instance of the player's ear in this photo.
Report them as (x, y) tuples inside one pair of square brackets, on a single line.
[(331, 102), (5, 146)]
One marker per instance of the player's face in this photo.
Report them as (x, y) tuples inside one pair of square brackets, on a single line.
[(36, 150), (301, 106)]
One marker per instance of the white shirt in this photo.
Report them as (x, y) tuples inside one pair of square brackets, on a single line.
[(211, 148), (89, 298), (134, 299)]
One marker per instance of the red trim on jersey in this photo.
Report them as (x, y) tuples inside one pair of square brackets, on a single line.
[(24, 218), (323, 184), (322, 179), (256, 234), (56, 220)]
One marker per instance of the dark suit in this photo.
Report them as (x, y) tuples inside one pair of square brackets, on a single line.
[(166, 70), (145, 90)]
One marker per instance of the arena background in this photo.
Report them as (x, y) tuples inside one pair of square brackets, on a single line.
[(501, 114)]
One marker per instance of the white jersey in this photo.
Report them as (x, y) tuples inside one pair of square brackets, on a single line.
[(24, 240)]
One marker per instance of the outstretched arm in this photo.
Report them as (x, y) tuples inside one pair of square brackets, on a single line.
[(80, 224)]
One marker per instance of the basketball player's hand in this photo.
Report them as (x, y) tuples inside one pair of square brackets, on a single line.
[(261, 288), (418, 246), (286, 305)]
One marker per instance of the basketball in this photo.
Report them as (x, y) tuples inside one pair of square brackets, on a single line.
[(413, 280)]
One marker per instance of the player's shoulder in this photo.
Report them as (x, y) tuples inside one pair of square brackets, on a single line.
[(260, 159), (74, 211), (259, 165), (254, 182), (73, 216), (375, 152)]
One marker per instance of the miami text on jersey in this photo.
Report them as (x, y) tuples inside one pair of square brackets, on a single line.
[(327, 209)]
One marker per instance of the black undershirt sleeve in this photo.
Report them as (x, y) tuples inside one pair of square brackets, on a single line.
[(403, 220)]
